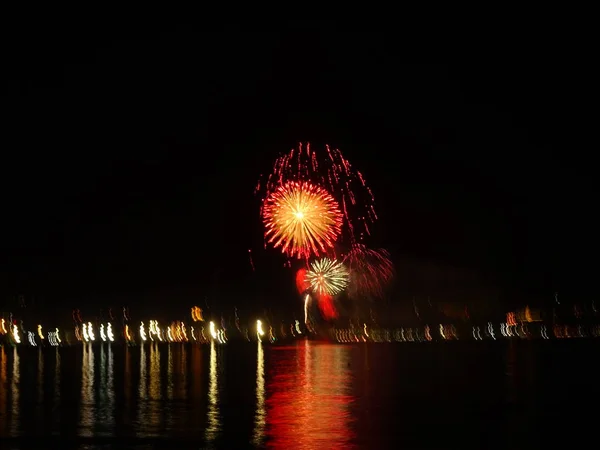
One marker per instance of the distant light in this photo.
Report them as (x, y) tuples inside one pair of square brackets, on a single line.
[(259, 329), (91, 332)]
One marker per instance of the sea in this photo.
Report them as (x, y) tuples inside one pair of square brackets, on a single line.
[(504, 394)]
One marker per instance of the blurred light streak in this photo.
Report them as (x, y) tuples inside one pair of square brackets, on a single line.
[(143, 332), (491, 330), (90, 332), (259, 330), (31, 339), (260, 414), (306, 300), (213, 415), (213, 332), (15, 334)]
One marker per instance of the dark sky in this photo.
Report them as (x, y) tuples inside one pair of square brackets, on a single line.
[(131, 155)]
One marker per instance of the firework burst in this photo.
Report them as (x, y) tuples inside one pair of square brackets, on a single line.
[(302, 219), (327, 277), (330, 170), (370, 271)]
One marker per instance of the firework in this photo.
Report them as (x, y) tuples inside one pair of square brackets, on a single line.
[(302, 219), (330, 170), (301, 282), (327, 307), (370, 271), (327, 277)]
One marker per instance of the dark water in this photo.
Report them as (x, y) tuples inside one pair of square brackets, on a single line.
[(512, 394)]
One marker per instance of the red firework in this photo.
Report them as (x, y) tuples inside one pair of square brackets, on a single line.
[(330, 170), (301, 283), (327, 307), (370, 271), (302, 219)]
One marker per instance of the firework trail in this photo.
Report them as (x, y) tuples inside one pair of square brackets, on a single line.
[(251, 260), (329, 170), (306, 303), (370, 271)]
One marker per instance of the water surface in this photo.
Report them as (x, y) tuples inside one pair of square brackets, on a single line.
[(511, 394)]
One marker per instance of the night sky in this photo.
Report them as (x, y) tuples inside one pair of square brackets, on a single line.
[(130, 158)]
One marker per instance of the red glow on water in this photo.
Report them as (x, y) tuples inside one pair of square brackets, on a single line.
[(310, 397)]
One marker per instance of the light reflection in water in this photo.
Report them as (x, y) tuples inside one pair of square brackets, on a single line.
[(3, 393), (309, 404), (39, 406), (150, 395), (196, 390), (178, 389), (16, 379), (127, 389), (260, 415), (148, 418), (142, 387), (170, 373), (183, 373), (40, 376), (57, 379), (86, 409), (213, 426), (154, 389), (110, 388), (105, 405)]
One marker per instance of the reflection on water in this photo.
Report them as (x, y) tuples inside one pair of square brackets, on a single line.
[(87, 403), (149, 410), (106, 393), (39, 400), (154, 389), (182, 373), (213, 426), (308, 395), (260, 414), (40, 376), (15, 393), (56, 379), (169, 373), (3, 393), (127, 386), (308, 406)]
